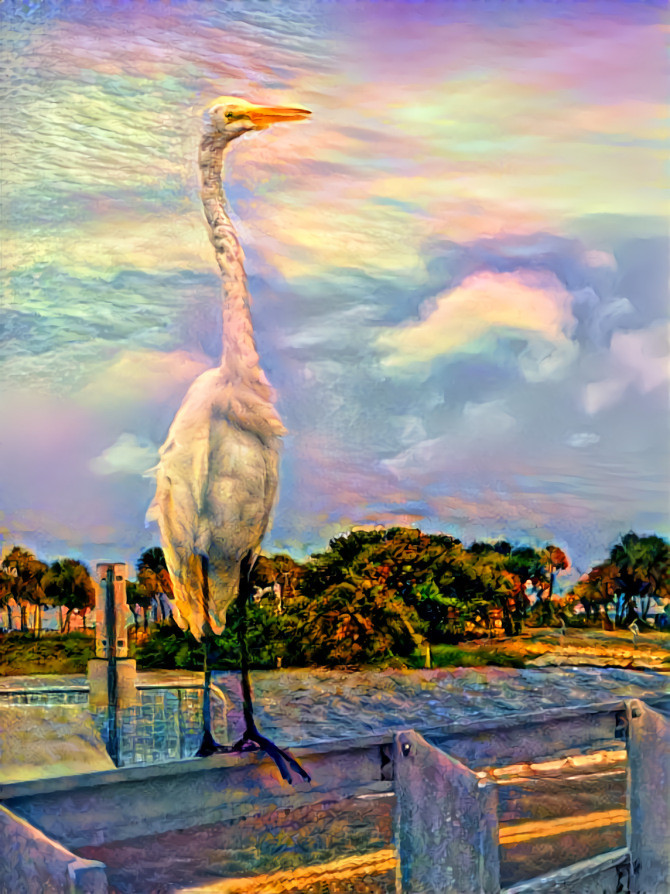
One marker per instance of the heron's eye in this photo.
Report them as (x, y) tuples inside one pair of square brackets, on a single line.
[(229, 114)]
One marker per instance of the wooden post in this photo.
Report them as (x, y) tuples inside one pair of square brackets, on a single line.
[(649, 798), (112, 701), (446, 823)]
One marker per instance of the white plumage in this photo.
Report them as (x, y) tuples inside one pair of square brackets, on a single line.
[(215, 488)]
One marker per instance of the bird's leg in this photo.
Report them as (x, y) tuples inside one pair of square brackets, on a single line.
[(208, 745), (252, 739)]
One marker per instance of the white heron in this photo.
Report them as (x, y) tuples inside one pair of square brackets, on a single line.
[(216, 479)]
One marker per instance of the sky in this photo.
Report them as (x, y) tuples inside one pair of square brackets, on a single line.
[(458, 265)]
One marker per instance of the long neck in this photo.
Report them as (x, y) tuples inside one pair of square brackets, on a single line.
[(239, 356)]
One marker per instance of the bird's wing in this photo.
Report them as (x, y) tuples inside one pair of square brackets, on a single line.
[(215, 487), (181, 481), (240, 493)]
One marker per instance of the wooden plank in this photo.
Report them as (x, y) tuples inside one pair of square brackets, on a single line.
[(151, 804), (649, 798), (32, 863), (534, 740), (446, 826), (547, 797), (604, 874), (303, 753)]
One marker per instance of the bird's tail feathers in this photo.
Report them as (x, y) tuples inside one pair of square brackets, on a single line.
[(201, 606)]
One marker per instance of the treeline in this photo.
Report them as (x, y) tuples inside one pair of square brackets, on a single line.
[(375, 595), (30, 585), (371, 595)]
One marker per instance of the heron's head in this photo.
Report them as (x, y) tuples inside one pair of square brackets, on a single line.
[(232, 117)]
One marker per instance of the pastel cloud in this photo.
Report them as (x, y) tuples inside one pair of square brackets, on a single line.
[(141, 378), (482, 431), (128, 455), (640, 359), (487, 305)]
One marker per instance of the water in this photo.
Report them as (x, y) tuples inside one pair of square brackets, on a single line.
[(301, 707)]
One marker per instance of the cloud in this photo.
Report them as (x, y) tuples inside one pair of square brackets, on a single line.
[(142, 377), (481, 429), (639, 358), (582, 439), (128, 454), (486, 306)]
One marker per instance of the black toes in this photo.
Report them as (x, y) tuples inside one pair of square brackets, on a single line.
[(208, 745)]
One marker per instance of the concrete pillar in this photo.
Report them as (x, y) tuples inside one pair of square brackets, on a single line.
[(126, 673), (114, 647), (446, 823), (119, 646)]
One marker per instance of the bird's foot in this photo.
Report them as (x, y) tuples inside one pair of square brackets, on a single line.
[(253, 741), (209, 746)]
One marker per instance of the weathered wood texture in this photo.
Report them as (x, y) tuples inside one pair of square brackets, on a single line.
[(532, 739), (605, 874), (649, 798), (31, 863), (446, 825), (151, 800)]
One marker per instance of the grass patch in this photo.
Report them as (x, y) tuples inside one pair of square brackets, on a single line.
[(52, 653), (454, 656)]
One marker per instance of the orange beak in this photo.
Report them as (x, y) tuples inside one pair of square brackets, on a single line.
[(264, 116)]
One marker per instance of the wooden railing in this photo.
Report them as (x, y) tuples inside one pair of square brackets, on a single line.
[(449, 785), (448, 830)]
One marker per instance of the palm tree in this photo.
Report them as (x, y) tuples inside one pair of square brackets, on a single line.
[(25, 573), (68, 583), (6, 595), (644, 569), (153, 577)]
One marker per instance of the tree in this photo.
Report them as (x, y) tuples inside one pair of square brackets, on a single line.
[(153, 577), (355, 622), (68, 583), (555, 561), (493, 585), (26, 573), (6, 595), (587, 591), (644, 571), (543, 566), (143, 599), (133, 597)]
